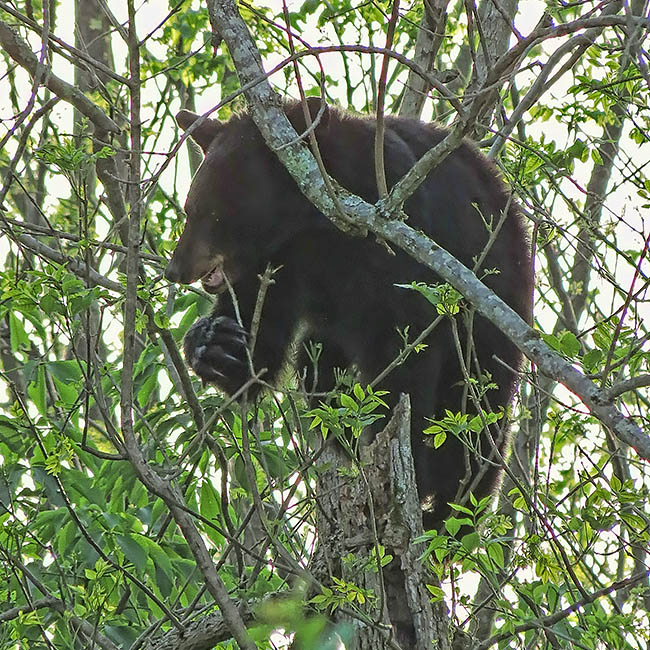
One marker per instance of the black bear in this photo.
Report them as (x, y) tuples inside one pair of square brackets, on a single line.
[(244, 211)]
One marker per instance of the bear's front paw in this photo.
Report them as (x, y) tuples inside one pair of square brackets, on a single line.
[(215, 348)]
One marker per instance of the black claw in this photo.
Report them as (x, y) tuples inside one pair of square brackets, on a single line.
[(215, 348)]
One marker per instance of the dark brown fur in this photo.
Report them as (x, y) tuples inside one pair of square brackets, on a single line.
[(245, 211)]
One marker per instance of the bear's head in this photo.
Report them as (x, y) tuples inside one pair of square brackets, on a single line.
[(242, 204)]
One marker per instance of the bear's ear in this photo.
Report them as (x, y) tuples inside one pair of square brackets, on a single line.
[(319, 112), (204, 133)]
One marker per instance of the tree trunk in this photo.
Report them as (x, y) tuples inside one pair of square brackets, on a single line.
[(362, 511)]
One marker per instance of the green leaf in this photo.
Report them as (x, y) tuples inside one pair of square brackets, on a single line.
[(66, 538), (552, 341), (349, 403), (495, 553), (67, 371), (133, 552), (17, 335), (437, 594), (452, 525), (439, 439), (148, 387), (591, 360), (117, 495), (37, 391), (68, 394), (471, 541), (86, 489), (569, 344), (209, 504), (459, 508)]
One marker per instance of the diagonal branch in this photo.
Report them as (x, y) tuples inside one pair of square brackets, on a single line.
[(202, 633), (89, 630), (20, 52), (166, 490), (266, 110), (72, 53), (552, 619)]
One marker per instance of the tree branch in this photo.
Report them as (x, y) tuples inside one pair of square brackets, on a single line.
[(72, 53), (76, 266), (164, 489), (202, 633), (22, 54), (552, 619), (88, 630), (266, 111), (430, 34)]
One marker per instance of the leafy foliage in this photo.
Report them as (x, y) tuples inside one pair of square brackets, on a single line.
[(92, 556)]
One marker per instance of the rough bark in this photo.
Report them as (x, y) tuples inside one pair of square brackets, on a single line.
[(379, 506), (430, 35), (495, 25)]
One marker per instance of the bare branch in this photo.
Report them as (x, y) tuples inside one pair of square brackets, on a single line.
[(267, 113), (627, 385), (203, 633), (552, 619), (76, 266), (77, 55), (380, 171), (430, 34), (151, 480), (88, 629), (22, 54)]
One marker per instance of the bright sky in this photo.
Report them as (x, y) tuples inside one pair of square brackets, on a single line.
[(151, 12)]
